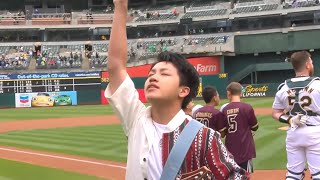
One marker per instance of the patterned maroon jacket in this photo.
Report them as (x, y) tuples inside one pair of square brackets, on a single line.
[(206, 150)]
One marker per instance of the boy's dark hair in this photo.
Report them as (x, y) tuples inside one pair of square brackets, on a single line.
[(187, 73), (234, 88), (299, 60), (208, 93)]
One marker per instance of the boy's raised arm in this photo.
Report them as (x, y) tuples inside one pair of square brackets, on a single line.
[(117, 53)]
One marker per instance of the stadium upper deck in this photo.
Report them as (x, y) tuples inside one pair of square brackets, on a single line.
[(60, 37), (66, 20), (46, 17)]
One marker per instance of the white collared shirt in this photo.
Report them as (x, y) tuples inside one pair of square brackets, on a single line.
[(141, 131)]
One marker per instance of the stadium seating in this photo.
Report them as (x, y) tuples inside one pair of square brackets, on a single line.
[(51, 19), (56, 57), (206, 40), (161, 17), (12, 18), (255, 8), (100, 61), (158, 8), (100, 47), (217, 12), (304, 3), (15, 57)]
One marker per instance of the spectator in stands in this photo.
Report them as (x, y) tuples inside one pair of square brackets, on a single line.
[(43, 61), (30, 52), (80, 57), (70, 61), (175, 12), (294, 3), (65, 59), (76, 57), (52, 62), (38, 53), (2, 63), (64, 18)]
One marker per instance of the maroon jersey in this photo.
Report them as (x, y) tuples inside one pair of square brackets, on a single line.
[(210, 117), (239, 139)]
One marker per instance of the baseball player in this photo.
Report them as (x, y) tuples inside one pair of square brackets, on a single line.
[(297, 103), (241, 121), (207, 114), (188, 110)]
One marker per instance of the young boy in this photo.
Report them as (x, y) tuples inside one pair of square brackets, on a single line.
[(152, 131), (241, 120), (209, 115)]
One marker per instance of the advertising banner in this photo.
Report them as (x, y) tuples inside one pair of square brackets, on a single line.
[(206, 65), (46, 99), (256, 90), (50, 75)]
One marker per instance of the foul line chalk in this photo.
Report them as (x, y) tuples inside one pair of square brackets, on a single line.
[(61, 157)]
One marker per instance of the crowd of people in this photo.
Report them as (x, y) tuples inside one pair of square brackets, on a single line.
[(47, 59), (19, 59)]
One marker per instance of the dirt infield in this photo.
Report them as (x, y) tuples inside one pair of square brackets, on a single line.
[(263, 111), (56, 123), (99, 168), (94, 167)]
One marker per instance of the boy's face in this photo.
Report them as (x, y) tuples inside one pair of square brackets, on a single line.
[(163, 84)]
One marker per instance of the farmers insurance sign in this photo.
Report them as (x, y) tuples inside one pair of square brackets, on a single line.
[(255, 90)]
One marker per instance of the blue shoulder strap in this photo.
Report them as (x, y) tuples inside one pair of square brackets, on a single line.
[(180, 149)]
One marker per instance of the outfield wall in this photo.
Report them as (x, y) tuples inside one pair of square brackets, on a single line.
[(50, 89), (83, 97)]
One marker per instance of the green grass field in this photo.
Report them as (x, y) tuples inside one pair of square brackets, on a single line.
[(54, 112), (11, 170), (93, 110), (108, 142), (101, 142)]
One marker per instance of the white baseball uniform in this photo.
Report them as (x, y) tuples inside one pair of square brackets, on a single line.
[(303, 143)]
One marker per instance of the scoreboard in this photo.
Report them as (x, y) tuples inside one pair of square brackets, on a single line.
[(52, 82)]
